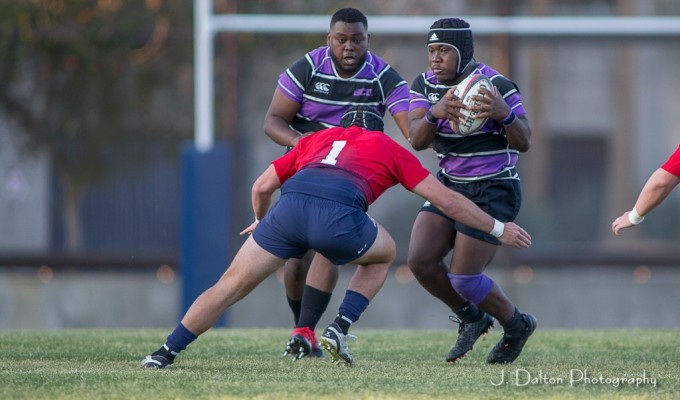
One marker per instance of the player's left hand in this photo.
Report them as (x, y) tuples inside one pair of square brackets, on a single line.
[(620, 223), (493, 106), (250, 229), (448, 107)]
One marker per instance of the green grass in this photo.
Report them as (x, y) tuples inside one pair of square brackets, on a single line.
[(389, 364)]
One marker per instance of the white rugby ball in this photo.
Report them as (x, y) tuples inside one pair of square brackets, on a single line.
[(467, 88)]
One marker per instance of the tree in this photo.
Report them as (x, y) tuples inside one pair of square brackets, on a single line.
[(84, 79)]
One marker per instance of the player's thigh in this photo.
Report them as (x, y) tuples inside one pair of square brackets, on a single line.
[(251, 265), (432, 237), (471, 256), (383, 249)]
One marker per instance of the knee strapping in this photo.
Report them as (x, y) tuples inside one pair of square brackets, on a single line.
[(472, 287)]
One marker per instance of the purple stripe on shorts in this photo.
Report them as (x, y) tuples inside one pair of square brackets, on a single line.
[(478, 165)]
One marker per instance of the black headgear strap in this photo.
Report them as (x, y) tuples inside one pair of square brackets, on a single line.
[(362, 117)]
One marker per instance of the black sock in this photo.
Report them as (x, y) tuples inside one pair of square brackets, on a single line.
[(469, 312), (295, 306), (166, 352), (343, 322), (515, 325), (314, 304)]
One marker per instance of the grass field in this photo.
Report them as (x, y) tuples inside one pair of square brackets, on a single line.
[(389, 364)]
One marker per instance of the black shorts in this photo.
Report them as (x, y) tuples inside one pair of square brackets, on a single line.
[(500, 198)]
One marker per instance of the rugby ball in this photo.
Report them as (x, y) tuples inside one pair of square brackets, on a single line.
[(467, 88)]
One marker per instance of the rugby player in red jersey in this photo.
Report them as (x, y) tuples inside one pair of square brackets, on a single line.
[(658, 187)]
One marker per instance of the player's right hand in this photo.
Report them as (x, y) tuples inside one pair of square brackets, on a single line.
[(620, 223)]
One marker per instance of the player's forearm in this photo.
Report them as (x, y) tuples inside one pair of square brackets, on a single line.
[(279, 131), (455, 205), (401, 118), (655, 191), (465, 211), (262, 191), (518, 134), (261, 203), (421, 131)]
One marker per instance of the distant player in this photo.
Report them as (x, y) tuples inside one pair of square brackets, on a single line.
[(659, 185), (327, 183), (313, 94)]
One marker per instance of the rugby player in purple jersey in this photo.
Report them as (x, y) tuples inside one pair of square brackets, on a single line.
[(313, 94), (327, 183), (480, 166)]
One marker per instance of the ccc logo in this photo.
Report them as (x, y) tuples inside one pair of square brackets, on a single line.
[(433, 97), (322, 87)]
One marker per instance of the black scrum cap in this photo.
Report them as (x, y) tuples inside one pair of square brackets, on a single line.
[(456, 33)]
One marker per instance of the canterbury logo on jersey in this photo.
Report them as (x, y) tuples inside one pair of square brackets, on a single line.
[(322, 87), (433, 97)]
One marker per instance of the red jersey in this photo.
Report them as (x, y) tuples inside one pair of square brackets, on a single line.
[(373, 161), (673, 164)]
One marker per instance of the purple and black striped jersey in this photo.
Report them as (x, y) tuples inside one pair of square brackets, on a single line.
[(324, 96), (485, 154)]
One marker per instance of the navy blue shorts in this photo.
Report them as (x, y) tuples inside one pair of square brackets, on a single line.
[(500, 198), (300, 222)]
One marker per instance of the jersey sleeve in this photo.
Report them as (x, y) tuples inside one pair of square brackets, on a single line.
[(408, 169), (396, 90), (672, 165), (286, 165), (294, 80), (417, 96)]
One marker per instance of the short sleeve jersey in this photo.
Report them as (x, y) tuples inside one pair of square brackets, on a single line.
[(672, 165), (369, 161), (324, 96), (485, 154)]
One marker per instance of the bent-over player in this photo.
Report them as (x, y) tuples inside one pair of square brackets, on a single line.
[(327, 183)]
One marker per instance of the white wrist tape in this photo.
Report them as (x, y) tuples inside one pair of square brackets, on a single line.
[(498, 228), (634, 217)]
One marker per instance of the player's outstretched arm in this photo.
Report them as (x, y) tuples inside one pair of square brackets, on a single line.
[(655, 191), (462, 209)]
